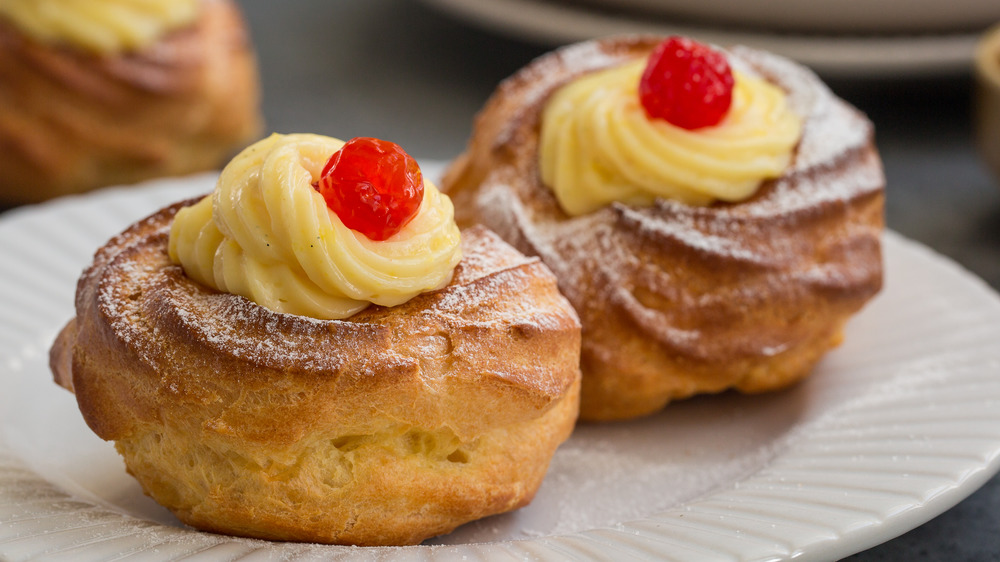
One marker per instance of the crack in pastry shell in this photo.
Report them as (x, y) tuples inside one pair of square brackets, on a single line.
[(678, 300), (389, 427)]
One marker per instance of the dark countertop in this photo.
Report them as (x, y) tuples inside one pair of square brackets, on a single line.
[(402, 71)]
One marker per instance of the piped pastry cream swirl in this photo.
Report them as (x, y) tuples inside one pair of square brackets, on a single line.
[(266, 234), (102, 26), (598, 146)]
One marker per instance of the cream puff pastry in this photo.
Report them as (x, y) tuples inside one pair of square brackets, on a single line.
[(391, 425), (116, 91), (689, 275)]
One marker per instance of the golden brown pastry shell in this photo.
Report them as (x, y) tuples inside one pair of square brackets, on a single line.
[(678, 300), (389, 427), (72, 121)]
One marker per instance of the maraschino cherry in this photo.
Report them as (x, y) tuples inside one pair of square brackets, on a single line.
[(373, 185), (686, 83)]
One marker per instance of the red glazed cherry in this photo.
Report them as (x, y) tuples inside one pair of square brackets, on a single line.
[(686, 83), (373, 185)]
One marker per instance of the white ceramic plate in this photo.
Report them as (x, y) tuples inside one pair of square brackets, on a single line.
[(835, 55), (894, 427)]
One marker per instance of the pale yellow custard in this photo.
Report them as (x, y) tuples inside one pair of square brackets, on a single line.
[(101, 26), (267, 234), (598, 145)]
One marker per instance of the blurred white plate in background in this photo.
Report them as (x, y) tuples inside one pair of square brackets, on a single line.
[(834, 55), (827, 16)]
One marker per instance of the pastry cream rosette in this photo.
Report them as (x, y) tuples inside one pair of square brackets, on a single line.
[(268, 235), (103, 26), (598, 145)]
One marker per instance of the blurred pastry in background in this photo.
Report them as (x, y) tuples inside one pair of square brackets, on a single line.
[(112, 92), (713, 215), (987, 99)]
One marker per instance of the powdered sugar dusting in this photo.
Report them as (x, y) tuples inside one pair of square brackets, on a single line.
[(584, 59), (815, 227), (605, 473), (166, 319)]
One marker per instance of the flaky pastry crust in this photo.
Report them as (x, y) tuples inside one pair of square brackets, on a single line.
[(71, 121), (678, 300), (389, 427)]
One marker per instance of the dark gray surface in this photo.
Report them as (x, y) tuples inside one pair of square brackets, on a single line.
[(399, 70)]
